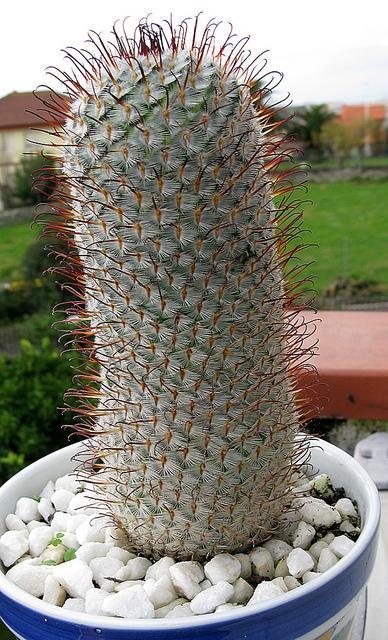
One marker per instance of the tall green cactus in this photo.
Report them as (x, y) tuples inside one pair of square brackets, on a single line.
[(167, 188)]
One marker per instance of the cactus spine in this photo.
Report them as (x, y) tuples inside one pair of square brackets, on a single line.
[(167, 189)]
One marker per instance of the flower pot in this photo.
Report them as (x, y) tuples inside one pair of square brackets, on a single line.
[(320, 610)]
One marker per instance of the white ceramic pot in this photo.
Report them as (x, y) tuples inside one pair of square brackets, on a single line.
[(320, 610)]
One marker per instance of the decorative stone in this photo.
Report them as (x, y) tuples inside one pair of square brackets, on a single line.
[(304, 535), (161, 592), (316, 512), (345, 508), (280, 582), (206, 601), (278, 549), (129, 603), (13, 544), (70, 541), (327, 559), (75, 576), (91, 550), (298, 562), (61, 499), (309, 576), (119, 586), (223, 568), (81, 502), (120, 554), (265, 591), (29, 577), (291, 582), (46, 509), (205, 584), (181, 611), (48, 490), (281, 569), (262, 562), (74, 521), (135, 569), (54, 554), (347, 527), (14, 523), (69, 483), (27, 509), (115, 536), (160, 568), (59, 522), (75, 604), (54, 593), (316, 548), (39, 539), (246, 566), (328, 537), (89, 532), (341, 545), (186, 577), (93, 601), (103, 569), (242, 591), (34, 524), (163, 611)]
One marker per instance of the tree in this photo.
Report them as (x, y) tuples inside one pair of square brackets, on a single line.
[(307, 126)]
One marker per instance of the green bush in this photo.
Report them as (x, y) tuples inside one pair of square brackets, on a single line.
[(24, 298), (20, 189), (31, 390)]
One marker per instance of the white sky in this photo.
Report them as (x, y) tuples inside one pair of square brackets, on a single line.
[(328, 50)]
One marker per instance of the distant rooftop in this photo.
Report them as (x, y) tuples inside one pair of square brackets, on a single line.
[(15, 108)]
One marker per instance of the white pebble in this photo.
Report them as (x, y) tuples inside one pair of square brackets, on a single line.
[(223, 568), (127, 583), (291, 582), (246, 566), (48, 490), (13, 545), (81, 502), (208, 600), (161, 592), (316, 548), (54, 593), (159, 568), (341, 545), (163, 611), (345, 508), (304, 535), (316, 512), (277, 548), (93, 601), (205, 584), (61, 499), (186, 577), (75, 604), (242, 591), (69, 483), (327, 559), (309, 576), (135, 569), (265, 591), (129, 603), (298, 562), (91, 550), (116, 536), (262, 562), (89, 531), (27, 509), (74, 521), (347, 527), (228, 606), (29, 577), (281, 569), (70, 541), (59, 522), (75, 576), (55, 554), (120, 554), (103, 569), (39, 539), (280, 583), (45, 508), (13, 523), (181, 611), (328, 537), (34, 524)]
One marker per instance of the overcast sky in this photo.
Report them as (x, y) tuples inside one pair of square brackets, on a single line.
[(328, 50)]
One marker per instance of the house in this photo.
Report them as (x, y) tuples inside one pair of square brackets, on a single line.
[(21, 128)]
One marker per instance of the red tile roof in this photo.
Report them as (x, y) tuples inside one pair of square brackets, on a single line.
[(15, 106)]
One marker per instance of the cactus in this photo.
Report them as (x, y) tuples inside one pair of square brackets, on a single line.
[(178, 260)]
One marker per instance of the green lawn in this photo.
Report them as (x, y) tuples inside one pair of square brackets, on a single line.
[(14, 240), (349, 222)]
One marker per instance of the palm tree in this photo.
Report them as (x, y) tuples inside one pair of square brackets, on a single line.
[(307, 126)]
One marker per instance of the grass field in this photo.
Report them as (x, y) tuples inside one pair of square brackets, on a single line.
[(14, 240), (348, 220)]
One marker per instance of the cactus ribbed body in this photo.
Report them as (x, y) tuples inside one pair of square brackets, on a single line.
[(175, 226)]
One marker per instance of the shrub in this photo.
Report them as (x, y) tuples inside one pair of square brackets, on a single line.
[(20, 189), (31, 390)]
